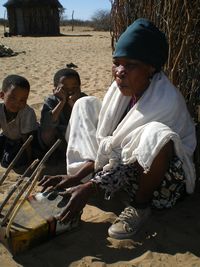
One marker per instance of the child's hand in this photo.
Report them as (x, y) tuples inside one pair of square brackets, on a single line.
[(72, 99), (60, 93)]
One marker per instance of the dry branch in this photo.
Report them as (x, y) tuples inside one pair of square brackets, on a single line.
[(12, 164)]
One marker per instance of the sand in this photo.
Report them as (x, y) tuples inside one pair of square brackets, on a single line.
[(170, 238)]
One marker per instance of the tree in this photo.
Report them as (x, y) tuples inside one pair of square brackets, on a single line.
[(101, 20), (61, 13)]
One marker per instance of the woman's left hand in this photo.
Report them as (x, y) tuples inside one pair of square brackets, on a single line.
[(78, 197)]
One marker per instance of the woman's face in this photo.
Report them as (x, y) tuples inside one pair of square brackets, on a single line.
[(132, 76)]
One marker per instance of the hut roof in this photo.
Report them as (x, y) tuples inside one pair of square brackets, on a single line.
[(31, 3)]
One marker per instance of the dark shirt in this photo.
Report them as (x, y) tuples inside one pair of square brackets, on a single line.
[(46, 115)]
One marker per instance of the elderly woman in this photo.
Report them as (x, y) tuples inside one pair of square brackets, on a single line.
[(139, 141)]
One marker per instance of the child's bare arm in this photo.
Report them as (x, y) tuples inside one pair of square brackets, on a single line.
[(60, 93), (57, 110)]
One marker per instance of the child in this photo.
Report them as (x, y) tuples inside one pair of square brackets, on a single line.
[(57, 108), (17, 120)]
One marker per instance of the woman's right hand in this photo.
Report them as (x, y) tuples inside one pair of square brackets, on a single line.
[(57, 182)]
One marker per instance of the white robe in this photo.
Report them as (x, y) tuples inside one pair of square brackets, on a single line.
[(96, 133)]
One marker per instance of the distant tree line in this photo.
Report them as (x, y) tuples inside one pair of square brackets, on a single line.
[(100, 21)]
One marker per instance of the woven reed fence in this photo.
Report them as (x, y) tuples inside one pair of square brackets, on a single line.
[(180, 20)]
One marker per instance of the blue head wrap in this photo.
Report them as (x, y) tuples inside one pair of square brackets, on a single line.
[(143, 41)]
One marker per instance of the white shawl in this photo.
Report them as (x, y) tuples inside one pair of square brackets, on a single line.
[(158, 116)]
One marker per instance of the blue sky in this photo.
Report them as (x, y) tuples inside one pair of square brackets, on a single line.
[(83, 9)]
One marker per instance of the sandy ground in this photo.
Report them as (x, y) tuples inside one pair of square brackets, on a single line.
[(171, 238)]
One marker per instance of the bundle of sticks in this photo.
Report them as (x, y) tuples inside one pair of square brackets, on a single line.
[(26, 185)]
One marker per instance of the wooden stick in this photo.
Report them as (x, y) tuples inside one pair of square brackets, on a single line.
[(44, 159), (17, 184), (21, 202), (24, 146)]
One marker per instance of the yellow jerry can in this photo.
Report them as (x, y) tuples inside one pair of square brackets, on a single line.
[(35, 222)]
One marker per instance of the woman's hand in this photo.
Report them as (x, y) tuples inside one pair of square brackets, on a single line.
[(58, 182), (78, 197)]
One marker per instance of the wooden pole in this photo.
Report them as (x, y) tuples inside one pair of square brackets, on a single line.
[(16, 185), (26, 185), (24, 146), (72, 20)]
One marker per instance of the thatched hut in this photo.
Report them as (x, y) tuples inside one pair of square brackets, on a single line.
[(33, 17), (181, 22)]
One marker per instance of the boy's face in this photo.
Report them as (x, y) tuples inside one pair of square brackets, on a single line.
[(69, 85), (15, 98)]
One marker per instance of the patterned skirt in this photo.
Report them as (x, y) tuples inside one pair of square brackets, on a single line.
[(125, 178)]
